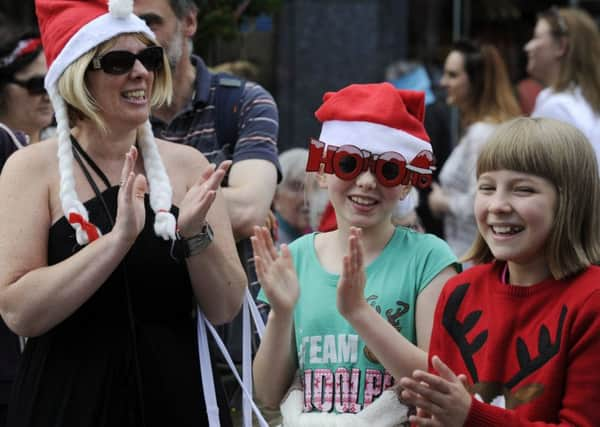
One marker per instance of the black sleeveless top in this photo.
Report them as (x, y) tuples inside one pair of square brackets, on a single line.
[(128, 356)]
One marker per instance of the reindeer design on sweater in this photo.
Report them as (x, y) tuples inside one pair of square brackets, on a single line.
[(504, 395)]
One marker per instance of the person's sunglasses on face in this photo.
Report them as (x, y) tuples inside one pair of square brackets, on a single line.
[(34, 85), (122, 61)]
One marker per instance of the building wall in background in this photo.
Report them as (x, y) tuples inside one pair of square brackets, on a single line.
[(325, 45)]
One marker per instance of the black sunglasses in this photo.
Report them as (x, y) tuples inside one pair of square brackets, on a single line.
[(34, 85), (122, 61)]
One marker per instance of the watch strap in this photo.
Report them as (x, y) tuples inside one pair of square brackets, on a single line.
[(197, 243)]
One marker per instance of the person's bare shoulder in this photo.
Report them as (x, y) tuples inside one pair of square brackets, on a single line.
[(39, 159), (180, 154), (182, 162), (31, 176)]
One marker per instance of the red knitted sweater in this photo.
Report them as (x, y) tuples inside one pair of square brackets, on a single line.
[(532, 350)]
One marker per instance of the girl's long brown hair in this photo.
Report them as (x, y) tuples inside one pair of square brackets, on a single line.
[(491, 97)]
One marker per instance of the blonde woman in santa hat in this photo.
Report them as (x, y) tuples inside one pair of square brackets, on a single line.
[(107, 247), (476, 81), (352, 309)]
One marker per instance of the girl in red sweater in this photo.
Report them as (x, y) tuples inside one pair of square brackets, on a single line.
[(516, 339)]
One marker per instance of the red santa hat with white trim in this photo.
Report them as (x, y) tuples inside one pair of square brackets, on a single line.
[(69, 29), (378, 118)]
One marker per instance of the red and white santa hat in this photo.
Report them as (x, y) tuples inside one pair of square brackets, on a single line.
[(69, 29), (377, 117)]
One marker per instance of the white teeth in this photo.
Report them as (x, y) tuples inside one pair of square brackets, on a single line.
[(362, 200), (506, 229), (137, 94)]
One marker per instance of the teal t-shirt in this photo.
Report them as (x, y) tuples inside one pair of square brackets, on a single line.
[(338, 372)]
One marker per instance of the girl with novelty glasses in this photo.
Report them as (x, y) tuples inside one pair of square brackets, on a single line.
[(515, 338), (108, 247), (351, 309)]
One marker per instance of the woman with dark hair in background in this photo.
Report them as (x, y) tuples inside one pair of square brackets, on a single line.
[(564, 54), (476, 80), (25, 109)]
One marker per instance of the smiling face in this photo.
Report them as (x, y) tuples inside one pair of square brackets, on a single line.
[(515, 214), (364, 202), (27, 112), (123, 98), (544, 52), (455, 80)]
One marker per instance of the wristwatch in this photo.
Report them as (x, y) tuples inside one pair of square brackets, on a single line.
[(196, 243)]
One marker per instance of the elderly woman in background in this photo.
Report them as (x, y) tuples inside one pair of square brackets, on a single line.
[(291, 201), (107, 248), (476, 81)]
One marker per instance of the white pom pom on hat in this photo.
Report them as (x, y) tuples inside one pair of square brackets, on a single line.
[(70, 28), (120, 8)]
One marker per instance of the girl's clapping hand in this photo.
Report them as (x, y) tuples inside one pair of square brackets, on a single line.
[(443, 400), (351, 286), (275, 272)]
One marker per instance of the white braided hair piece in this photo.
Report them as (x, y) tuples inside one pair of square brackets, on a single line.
[(72, 207), (161, 193)]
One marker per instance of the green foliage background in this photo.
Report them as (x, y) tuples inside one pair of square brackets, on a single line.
[(217, 19), (221, 19)]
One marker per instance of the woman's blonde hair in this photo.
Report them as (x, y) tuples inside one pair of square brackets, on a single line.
[(581, 64), (491, 96), (561, 154), (72, 84)]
